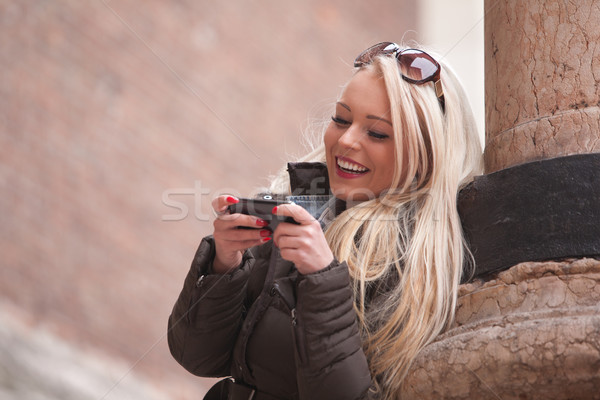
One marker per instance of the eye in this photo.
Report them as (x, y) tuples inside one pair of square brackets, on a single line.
[(378, 136), (339, 121)]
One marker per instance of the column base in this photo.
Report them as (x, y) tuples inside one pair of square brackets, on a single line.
[(531, 332)]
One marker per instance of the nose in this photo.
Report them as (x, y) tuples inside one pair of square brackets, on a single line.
[(351, 138)]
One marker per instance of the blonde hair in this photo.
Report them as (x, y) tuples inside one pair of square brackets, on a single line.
[(410, 237)]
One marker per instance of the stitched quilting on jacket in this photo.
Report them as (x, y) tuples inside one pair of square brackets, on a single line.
[(287, 335)]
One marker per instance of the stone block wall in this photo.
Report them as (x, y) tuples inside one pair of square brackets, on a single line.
[(106, 107)]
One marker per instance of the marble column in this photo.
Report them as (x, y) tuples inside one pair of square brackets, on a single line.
[(530, 330), (542, 75)]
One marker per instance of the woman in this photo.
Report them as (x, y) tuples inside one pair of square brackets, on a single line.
[(339, 305)]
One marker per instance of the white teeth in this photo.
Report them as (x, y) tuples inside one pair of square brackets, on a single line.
[(350, 166)]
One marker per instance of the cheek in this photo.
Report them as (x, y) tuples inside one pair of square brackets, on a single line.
[(387, 164), (329, 138)]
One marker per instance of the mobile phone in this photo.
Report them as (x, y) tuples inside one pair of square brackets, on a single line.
[(261, 208)]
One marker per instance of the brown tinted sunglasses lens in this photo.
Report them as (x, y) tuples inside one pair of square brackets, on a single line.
[(369, 54), (417, 65)]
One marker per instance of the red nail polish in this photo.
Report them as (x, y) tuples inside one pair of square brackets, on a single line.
[(265, 233), (231, 199), (274, 210), (261, 222), (265, 240)]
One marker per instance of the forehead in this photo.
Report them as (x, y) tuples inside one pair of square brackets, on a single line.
[(366, 90)]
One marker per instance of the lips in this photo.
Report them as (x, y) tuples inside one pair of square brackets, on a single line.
[(348, 168)]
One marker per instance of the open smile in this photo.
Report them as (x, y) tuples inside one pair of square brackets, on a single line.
[(347, 168)]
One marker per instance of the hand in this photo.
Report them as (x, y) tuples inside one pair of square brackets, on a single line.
[(305, 244), (230, 242)]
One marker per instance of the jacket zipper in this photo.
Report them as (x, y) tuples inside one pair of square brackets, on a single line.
[(297, 329), (192, 303), (300, 339)]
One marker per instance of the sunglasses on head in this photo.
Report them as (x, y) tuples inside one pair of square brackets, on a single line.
[(415, 65)]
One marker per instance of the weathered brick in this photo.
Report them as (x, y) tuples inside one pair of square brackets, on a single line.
[(97, 122)]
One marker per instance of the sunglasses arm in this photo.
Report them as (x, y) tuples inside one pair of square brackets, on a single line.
[(438, 88)]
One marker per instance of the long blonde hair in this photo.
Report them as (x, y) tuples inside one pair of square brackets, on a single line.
[(407, 244)]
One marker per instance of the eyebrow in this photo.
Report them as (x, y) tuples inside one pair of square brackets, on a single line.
[(379, 119), (347, 107)]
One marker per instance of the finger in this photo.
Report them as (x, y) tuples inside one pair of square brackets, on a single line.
[(299, 214), (220, 203), (241, 235), (287, 242), (240, 239), (246, 244), (292, 255), (286, 231), (230, 221)]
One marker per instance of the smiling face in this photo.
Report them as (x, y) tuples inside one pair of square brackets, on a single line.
[(359, 142)]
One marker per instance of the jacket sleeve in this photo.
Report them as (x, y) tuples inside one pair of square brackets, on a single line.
[(331, 362), (207, 316)]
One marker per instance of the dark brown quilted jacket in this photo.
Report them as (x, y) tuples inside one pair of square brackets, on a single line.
[(288, 335)]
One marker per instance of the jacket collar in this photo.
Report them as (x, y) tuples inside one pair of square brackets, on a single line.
[(308, 178)]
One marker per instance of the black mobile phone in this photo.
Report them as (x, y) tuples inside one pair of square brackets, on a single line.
[(261, 208)]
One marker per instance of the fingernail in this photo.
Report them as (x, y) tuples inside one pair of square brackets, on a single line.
[(265, 233), (274, 210), (265, 240), (261, 222), (231, 199)]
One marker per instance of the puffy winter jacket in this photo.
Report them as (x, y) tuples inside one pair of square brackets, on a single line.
[(287, 335)]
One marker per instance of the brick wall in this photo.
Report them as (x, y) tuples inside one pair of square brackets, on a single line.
[(105, 106)]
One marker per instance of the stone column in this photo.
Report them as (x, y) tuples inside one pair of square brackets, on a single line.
[(526, 327), (542, 75)]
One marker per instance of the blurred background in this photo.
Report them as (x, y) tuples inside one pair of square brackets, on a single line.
[(119, 122)]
